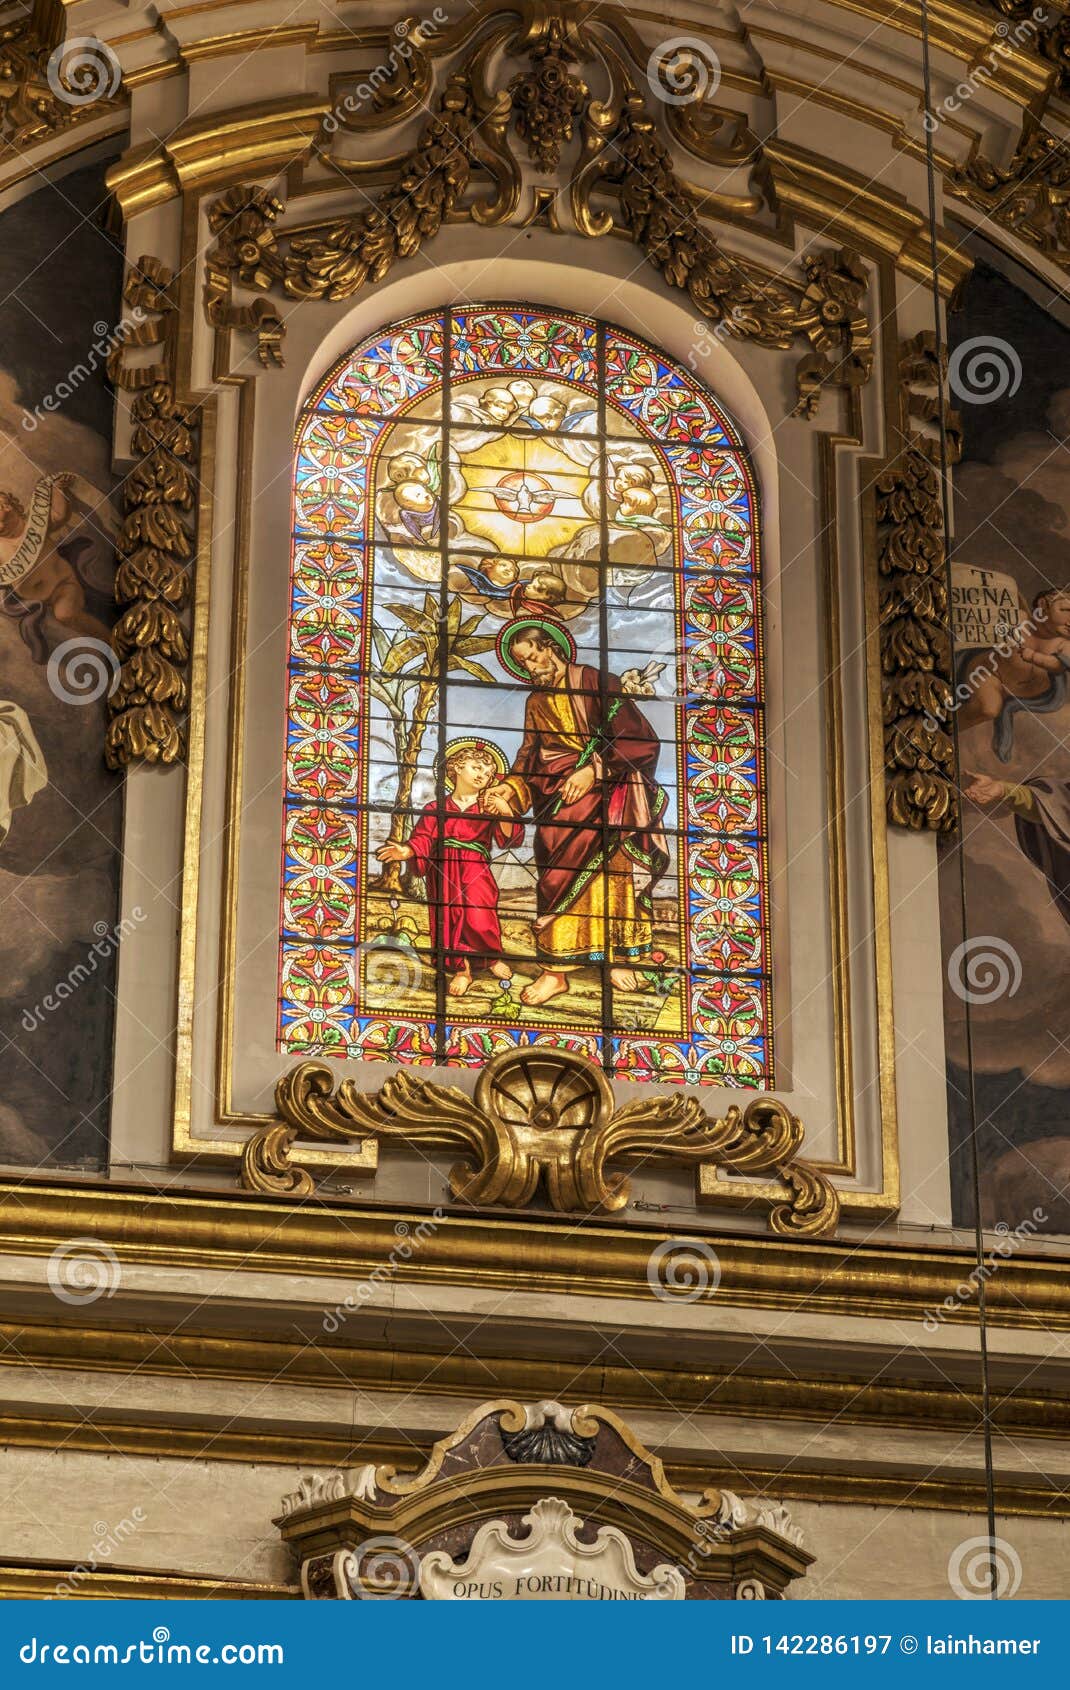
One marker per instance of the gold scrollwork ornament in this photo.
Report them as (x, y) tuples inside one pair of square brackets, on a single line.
[(621, 161), (542, 1117)]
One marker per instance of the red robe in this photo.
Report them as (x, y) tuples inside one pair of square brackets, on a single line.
[(462, 893)]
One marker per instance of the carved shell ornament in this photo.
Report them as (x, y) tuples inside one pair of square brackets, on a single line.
[(542, 1117), (547, 1438)]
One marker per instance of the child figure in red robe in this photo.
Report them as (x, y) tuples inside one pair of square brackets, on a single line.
[(451, 849)]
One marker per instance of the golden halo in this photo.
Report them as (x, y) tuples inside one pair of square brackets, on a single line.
[(469, 743)]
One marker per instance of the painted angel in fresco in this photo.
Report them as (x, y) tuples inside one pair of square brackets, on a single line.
[(1026, 672), (40, 557), (450, 848), (586, 772)]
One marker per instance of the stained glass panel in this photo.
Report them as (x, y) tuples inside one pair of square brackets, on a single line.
[(525, 793)]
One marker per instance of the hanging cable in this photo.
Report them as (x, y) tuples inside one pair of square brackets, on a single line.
[(975, 1160)]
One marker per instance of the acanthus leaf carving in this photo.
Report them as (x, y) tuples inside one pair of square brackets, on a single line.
[(155, 539), (334, 262), (662, 218), (915, 635), (1030, 196)]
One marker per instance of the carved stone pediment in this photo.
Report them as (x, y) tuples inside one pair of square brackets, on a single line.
[(478, 1524)]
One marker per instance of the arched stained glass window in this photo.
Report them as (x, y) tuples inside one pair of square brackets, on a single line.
[(525, 795)]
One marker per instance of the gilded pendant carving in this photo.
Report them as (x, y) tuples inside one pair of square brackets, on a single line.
[(915, 635), (542, 1117), (547, 98), (155, 540)]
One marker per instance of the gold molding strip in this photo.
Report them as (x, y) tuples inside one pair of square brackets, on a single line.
[(217, 1441), (248, 140), (959, 1495), (248, 41), (206, 1229), (40, 1580), (911, 1403)]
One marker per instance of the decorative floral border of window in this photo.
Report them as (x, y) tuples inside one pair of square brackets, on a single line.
[(635, 392)]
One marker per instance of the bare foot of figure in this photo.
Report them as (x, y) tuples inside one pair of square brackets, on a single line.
[(625, 979), (460, 983), (549, 985), (501, 970)]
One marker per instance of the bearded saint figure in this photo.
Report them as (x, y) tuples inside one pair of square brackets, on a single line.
[(585, 771)]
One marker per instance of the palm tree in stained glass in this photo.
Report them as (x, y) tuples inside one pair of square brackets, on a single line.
[(438, 643)]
